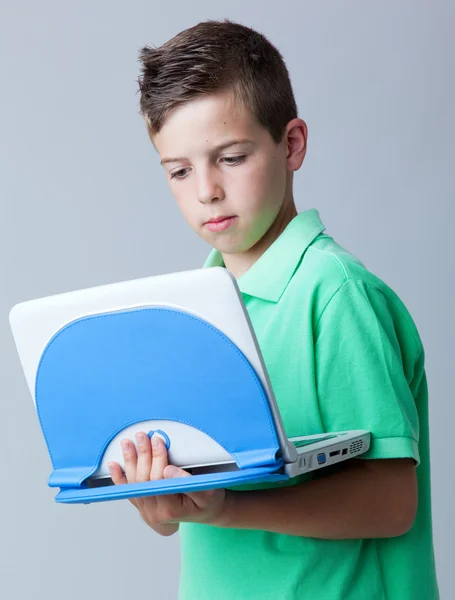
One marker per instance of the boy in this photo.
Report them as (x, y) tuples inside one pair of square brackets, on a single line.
[(341, 350)]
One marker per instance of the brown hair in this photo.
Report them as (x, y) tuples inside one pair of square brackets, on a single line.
[(215, 57)]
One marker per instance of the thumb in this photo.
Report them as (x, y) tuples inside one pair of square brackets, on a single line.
[(200, 499)]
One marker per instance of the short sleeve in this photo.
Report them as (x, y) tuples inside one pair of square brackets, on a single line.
[(360, 377)]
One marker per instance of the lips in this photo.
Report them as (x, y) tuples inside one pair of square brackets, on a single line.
[(218, 224), (218, 219)]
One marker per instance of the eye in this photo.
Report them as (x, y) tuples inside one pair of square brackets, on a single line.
[(233, 160), (236, 159), (176, 174)]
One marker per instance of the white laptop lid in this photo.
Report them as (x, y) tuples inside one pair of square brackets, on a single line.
[(211, 294)]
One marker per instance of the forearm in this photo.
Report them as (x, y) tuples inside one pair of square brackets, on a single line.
[(358, 502)]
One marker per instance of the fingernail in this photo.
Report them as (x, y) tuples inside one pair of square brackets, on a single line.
[(110, 466), (125, 446), (155, 443), (139, 439), (171, 471)]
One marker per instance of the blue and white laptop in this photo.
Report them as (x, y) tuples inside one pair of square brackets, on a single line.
[(172, 355)]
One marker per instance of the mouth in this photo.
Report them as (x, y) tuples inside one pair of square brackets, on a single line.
[(218, 219), (219, 223)]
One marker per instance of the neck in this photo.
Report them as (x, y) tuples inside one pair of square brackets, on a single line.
[(238, 264)]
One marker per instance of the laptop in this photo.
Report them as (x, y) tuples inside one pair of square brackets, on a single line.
[(172, 355)]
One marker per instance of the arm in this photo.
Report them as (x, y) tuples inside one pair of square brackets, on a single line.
[(361, 384), (366, 499), (363, 365)]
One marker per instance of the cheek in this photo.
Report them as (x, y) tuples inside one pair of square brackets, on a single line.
[(179, 201), (256, 181), (278, 172), (267, 184), (185, 207), (272, 171)]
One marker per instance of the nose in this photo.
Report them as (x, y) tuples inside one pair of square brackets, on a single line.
[(208, 187)]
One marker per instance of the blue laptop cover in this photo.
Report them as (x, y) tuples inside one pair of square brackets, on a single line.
[(102, 373)]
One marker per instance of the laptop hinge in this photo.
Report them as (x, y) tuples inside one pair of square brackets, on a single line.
[(70, 477), (258, 458)]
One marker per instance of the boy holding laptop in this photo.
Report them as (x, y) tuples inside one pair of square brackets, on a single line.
[(341, 350)]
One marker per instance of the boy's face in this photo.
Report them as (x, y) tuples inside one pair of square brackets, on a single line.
[(248, 181)]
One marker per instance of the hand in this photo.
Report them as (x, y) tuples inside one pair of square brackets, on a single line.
[(164, 513)]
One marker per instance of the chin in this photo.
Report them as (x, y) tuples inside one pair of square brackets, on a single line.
[(225, 242), (227, 248)]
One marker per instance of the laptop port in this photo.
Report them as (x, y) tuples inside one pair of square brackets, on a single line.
[(321, 458), (335, 453)]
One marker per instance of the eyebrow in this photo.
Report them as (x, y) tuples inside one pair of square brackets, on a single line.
[(215, 149)]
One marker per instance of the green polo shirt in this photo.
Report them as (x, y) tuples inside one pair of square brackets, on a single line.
[(342, 352)]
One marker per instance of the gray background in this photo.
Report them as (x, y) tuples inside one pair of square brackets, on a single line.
[(83, 201)]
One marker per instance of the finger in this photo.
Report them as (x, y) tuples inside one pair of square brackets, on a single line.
[(116, 472), (144, 457), (160, 458), (118, 477), (130, 460)]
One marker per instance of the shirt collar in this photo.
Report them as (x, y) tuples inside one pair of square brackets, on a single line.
[(269, 276)]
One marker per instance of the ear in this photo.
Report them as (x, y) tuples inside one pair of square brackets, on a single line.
[(296, 139)]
